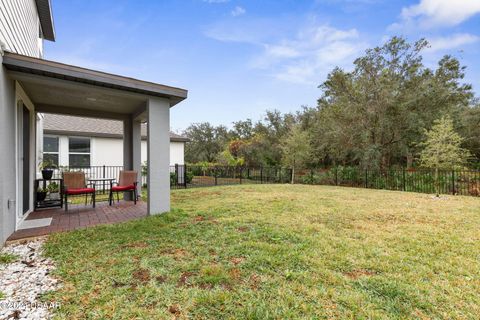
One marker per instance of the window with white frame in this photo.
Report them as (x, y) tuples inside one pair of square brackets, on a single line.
[(78, 152), (50, 149)]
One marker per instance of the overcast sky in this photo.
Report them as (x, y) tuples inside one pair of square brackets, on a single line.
[(239, 58)]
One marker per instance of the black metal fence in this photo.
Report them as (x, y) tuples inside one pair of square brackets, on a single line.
[(459, 182), (191, 176), (185, 176)]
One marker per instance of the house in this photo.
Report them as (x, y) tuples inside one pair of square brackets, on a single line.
[(102, 139), (30, 86)]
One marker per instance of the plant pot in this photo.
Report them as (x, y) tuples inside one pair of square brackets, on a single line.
[(41, 195), (47, 174)]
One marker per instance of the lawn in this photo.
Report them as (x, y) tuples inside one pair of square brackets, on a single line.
[(278, 252)]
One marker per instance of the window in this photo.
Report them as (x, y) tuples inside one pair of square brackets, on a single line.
[(79, 152), (50, 149)]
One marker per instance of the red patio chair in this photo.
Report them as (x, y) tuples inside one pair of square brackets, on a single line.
[(74, 184), (126, 182)]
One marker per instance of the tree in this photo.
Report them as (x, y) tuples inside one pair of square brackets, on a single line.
[(442, 148), (206, 142), (375, 114), (296, 149)]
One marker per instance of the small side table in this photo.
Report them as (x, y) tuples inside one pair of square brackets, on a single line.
[(103, 181), (49, 201)]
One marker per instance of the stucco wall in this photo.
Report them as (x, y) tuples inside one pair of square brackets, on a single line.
[(109, 151), (7, 156)]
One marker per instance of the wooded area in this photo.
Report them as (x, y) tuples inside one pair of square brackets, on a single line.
[(376, 116)]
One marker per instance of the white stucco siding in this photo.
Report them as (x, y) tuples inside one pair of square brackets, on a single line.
[(176, 152), (109, 151), (20, 27), (106, 151), (7, 156)]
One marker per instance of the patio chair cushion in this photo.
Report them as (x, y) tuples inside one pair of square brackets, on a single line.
[(79, 190), (123, 188)]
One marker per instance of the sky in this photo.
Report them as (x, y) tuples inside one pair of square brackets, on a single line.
[(239, 58)]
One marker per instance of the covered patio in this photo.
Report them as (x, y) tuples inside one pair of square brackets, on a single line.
[(43, 86)]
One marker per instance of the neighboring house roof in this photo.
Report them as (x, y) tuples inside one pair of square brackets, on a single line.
[(44, 9), (91, 127)]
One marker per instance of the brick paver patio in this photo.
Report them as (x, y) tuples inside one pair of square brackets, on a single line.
[(81, 216)]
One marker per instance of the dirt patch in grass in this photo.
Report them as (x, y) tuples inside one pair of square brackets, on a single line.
[(199, 219), (237, 260), (161, 279), (184, 280), (242, 229), (135, 245), (358, 273), (235, 274), (141, 275), (254, 281), (176, 253), (175, 310)]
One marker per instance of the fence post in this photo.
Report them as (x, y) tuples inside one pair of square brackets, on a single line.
[(103, 176), (404, 179), (336, 176), (176, 174), (453, 182), (240, 175), (261, 175), (366, 178), (185, 175), (215, 174), (292, 177)]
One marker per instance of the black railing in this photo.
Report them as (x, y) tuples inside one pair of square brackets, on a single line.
[(191, 176), (458, 182), (186, 176)]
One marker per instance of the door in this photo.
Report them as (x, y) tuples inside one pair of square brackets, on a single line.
[(25, 159)]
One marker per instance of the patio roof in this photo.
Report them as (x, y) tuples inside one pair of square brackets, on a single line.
[(53, 86)]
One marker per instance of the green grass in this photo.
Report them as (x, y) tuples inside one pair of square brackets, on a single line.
[(278, 252), (7, 258)]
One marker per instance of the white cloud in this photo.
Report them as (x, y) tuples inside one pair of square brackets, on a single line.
[(437, 13), (238, 11), (451, 42), (308, 57)]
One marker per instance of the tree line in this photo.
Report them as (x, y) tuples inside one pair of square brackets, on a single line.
[(376, 116)]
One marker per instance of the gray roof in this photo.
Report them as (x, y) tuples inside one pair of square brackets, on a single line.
[(91, 127), (52, 69), (44, 9)]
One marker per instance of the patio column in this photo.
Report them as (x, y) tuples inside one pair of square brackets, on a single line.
[(158, 155), (132, 142)]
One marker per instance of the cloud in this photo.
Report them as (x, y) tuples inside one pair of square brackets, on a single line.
[(429, 14), (308, 57), (238, 11), (451, 42)]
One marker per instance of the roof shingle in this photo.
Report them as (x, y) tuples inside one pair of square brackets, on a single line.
[(71, 125)]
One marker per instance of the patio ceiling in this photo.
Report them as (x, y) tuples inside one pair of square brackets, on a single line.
[(60, 88)]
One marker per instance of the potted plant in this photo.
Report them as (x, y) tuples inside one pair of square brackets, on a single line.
[(41, 194), (54, 191), (47, 167)]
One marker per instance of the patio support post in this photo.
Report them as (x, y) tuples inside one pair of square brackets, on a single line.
[(158, 155), (132, 142)]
